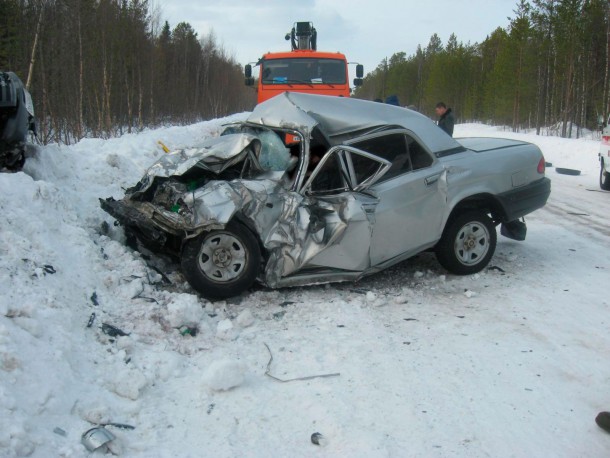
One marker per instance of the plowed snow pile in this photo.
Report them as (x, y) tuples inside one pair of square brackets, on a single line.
[(412, 362)]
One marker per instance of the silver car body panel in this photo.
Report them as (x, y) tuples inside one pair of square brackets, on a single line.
[(366, 224)]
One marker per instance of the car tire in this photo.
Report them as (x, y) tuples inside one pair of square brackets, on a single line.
[(222, 263), (564, 171), (467, 244), (604, 179)]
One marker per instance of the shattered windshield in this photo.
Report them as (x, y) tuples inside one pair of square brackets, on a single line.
[(303, 70), (274, 155)]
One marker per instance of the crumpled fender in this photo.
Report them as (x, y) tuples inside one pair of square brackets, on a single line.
[(291, 231), (215, 154)]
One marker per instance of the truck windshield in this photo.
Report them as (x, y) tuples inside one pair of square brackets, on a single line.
[(303, 70)]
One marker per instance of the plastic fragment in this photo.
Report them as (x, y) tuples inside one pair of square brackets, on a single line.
[(112, 331), (318, 439)]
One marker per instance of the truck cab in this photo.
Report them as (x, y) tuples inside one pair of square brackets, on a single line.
[(303, 69)]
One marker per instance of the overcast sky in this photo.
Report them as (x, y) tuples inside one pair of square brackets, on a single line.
[(365, 31)]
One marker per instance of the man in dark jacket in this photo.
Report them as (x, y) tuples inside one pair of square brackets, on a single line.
[(446, 119)]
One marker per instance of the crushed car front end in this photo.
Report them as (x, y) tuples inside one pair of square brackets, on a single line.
[(167, 205)]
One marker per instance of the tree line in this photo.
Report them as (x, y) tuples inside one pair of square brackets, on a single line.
[(103, 67), (547, 70)]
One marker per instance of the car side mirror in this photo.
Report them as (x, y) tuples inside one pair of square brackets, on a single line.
[(359, 71)]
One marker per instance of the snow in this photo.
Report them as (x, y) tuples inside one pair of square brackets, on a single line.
[(224, 375), (511, 362)]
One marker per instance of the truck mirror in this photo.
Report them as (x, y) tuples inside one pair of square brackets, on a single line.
[(357, 81), (248, 71), (359, 71), (249, 81)]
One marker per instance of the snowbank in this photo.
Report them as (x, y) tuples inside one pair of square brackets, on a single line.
[(509, 362)]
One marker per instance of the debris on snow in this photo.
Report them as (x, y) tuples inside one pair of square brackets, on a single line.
[(318, 439), (112, 331), (310, 377), (97, 438)]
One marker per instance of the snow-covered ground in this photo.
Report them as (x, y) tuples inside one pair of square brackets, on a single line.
[(512, 362)]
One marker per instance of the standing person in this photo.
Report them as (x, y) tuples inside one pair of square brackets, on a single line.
[(446, 119)]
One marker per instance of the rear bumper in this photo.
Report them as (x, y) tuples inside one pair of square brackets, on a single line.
[(523, 200)]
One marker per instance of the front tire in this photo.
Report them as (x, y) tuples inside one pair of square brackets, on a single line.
[(604, 179), (222, 263), (467, 244)]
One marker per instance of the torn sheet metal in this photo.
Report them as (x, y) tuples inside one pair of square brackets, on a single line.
[(293, 229), (214, 155)]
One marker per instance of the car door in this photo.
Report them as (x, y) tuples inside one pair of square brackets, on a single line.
[(342, 215), (411, 195)]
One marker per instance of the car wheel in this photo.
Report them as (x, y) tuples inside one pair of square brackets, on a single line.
[(467, 244), (604, 179), (222, 263)]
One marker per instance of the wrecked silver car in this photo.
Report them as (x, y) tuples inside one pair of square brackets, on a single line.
[(313, 189)]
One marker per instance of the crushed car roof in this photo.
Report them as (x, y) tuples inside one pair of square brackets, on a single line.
[(341, 119)]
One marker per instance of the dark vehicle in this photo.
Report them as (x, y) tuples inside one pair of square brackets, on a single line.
[(313, 189), (16, 120)]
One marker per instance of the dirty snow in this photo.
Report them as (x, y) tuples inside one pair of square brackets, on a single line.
[(511, 362)]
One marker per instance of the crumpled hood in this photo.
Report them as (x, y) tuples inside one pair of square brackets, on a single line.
[(214, 155)]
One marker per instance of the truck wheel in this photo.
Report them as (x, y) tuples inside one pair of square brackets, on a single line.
[(467, 244), (604, 179), (222, 263)]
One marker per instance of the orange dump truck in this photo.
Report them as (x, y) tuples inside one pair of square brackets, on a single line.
[(303, 69)]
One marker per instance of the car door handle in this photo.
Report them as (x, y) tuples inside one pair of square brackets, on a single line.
[(432, 179)]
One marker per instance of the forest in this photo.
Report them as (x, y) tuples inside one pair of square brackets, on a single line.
[(103, 67), (548, 70)]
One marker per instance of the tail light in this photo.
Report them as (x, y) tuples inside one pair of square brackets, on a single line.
[(541, 166)]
